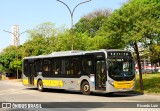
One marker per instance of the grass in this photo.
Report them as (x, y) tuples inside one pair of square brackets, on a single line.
[(151, 83)]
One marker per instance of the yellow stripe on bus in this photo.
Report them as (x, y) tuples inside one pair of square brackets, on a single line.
[(56, 83), (25, 81), (35, 82)]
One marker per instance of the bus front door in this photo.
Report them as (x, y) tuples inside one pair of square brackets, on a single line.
[(101, 76), (31, 74)]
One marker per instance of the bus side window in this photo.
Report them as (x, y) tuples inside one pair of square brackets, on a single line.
[(46, 65), (87, 65), (75, 66), (84, 69), (66, 66), (56, 66), (38, 66)]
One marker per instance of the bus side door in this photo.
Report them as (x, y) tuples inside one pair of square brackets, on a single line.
[(101, 75), (31, 73)]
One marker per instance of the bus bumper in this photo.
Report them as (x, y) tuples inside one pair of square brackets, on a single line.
[(120, 86)]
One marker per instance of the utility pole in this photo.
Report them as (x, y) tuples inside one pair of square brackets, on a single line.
[(71, 14), (16, 35)]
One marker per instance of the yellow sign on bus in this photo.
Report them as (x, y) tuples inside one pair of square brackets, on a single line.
[(56, 83)]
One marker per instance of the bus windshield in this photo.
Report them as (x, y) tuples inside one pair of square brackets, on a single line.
[(120, 67)]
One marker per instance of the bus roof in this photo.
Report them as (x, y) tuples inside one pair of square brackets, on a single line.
[(72, 53)]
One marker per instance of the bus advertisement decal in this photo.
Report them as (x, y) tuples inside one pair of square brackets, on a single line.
[(25, 81), (56, 83)]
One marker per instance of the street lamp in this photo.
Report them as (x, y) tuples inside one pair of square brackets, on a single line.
[(17, 38), (71, 13)]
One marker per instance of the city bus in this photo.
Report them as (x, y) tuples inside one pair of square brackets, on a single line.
[(102, 70)]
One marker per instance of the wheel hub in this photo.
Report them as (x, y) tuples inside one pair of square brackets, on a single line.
[(86, 87)]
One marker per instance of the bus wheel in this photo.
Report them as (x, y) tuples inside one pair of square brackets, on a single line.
[(85, 88), (40, 85)]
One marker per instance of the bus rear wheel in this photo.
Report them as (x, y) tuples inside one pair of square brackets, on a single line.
[(85, 88), (40, 85)]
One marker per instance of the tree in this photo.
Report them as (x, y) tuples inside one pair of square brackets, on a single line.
[(155, 54), (87, 31), (46, 29), (16, 65), (92, 22), (8, 56), (40, 40), (133, 23), (36, 46)]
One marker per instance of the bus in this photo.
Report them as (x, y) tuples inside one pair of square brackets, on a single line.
[(102, 70)]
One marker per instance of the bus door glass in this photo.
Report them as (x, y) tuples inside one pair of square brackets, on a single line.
[(101, 74), (31, 74)]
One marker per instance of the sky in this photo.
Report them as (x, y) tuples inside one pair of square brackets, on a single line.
[(30, 13)]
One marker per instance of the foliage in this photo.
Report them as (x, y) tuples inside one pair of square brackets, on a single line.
[(134, 22), (2, 68), (61, 42), (44, 30), (151, 83), (15, 65), (35, 46), (88, 34), (154, 53), (8, 59), (45, 39), (92, 22), (7, 56)]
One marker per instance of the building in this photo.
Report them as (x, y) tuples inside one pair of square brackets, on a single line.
[(15, 35)]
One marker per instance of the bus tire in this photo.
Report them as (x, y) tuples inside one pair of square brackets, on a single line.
[(85, 88), (40, 86), (109, 94)]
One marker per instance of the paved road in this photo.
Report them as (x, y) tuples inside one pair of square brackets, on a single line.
[(12, 91)]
